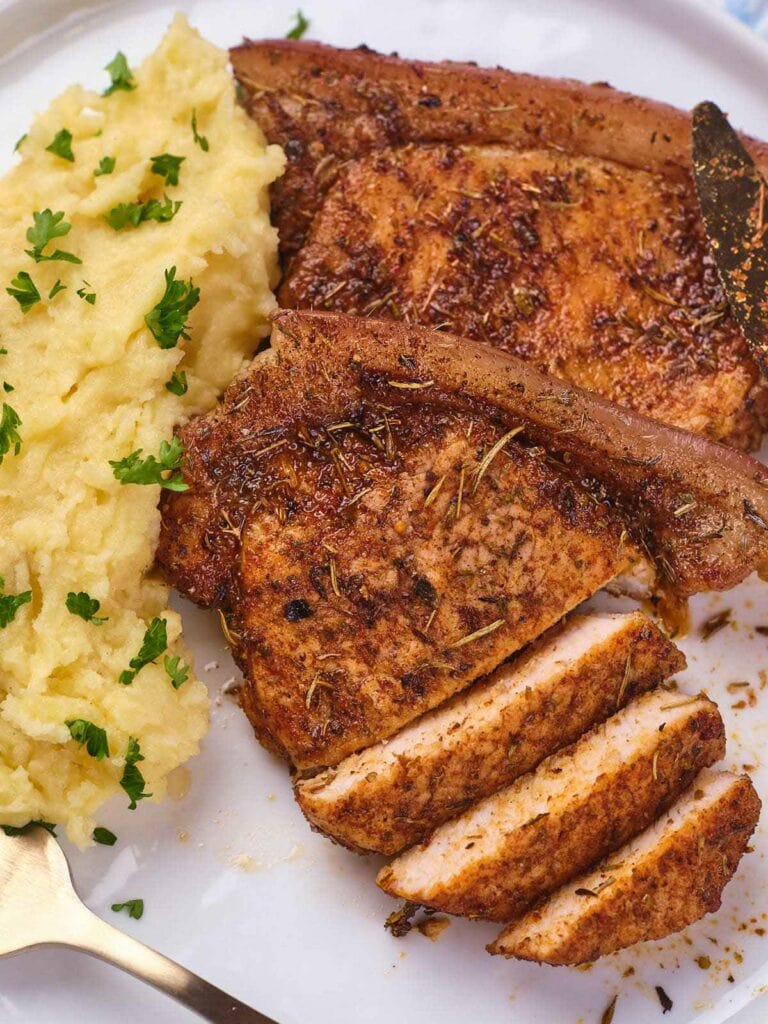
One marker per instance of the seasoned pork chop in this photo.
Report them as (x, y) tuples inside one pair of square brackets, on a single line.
[(495, 860), (667, 878), (394, 793), (552, 219), (384, 514)]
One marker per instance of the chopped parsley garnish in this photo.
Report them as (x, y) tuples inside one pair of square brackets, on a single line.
[(10, 604), (200, 140), (154, 643), (20, 143), (168, 320), (62, 145), (106, 166), (177, 385), (133, 781), (9, 432), (8, 388), (13, 830), (58, 287), (121, 75), (299, 28), (135, 470), (135, 908), (178, 673), (104, 836), (85, 606), (24, 290), (85, 295), (93, 736), (167, 166), (47, 226), (133, 214)]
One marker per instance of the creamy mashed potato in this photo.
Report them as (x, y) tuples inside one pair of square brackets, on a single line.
[(89, 387)]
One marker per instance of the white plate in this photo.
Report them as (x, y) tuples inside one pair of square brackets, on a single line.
[(235, 884)]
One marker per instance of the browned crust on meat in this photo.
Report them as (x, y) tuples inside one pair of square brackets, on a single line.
[(533, 861), (326, 106), (678, 883), (395, 806), (595, 273)]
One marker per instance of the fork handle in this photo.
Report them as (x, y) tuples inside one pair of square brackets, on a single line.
[(101, 940)]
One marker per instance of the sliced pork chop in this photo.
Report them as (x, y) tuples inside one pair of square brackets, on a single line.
[(550, 218), (499, 857), (384, 514), (392, 794), (667, 878)]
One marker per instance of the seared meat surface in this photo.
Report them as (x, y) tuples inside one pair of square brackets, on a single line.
[(509, 850), (384, 514), (395, 793), (593, 272), (667, 878), (554, 220)]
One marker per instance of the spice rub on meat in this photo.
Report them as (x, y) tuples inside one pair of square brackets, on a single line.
[(670, 876), (383, 514), (396, 792), (554, 220)]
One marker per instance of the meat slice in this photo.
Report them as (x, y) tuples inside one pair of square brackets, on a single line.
[(384, 514), (392, 794), (553, 219), (667, 878), (591, 271), (505, 853)]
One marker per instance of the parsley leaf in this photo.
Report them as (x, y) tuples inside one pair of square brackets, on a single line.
[(8, 388), (134, 214), (135, 908), (62, 145), (9, 432), (104, 836), (47, 226), (178, 673), (177, 385), (106, 166), (121, 75), (200, 140), (154, 643), (135, 470), (10, 604), (20, 143), (89, 297), (85, 606), (167, 166), (13, 830), (168, 320), (58, 287), (133, 781), (23, 289), (299, 28), (94, 737)]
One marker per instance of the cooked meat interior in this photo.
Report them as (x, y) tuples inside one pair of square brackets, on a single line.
[(499, 857), (384, 514), (664, 880), (550, 218), (392, 794)]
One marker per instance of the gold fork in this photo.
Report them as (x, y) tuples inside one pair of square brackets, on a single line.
[(39, 907)]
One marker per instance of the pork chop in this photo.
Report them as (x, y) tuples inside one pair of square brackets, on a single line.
[(384, 514), (667, 878), (501, 856), (549, 218), (394, 793)]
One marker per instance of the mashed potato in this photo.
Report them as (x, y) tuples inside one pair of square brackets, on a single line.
[(89, 387)]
